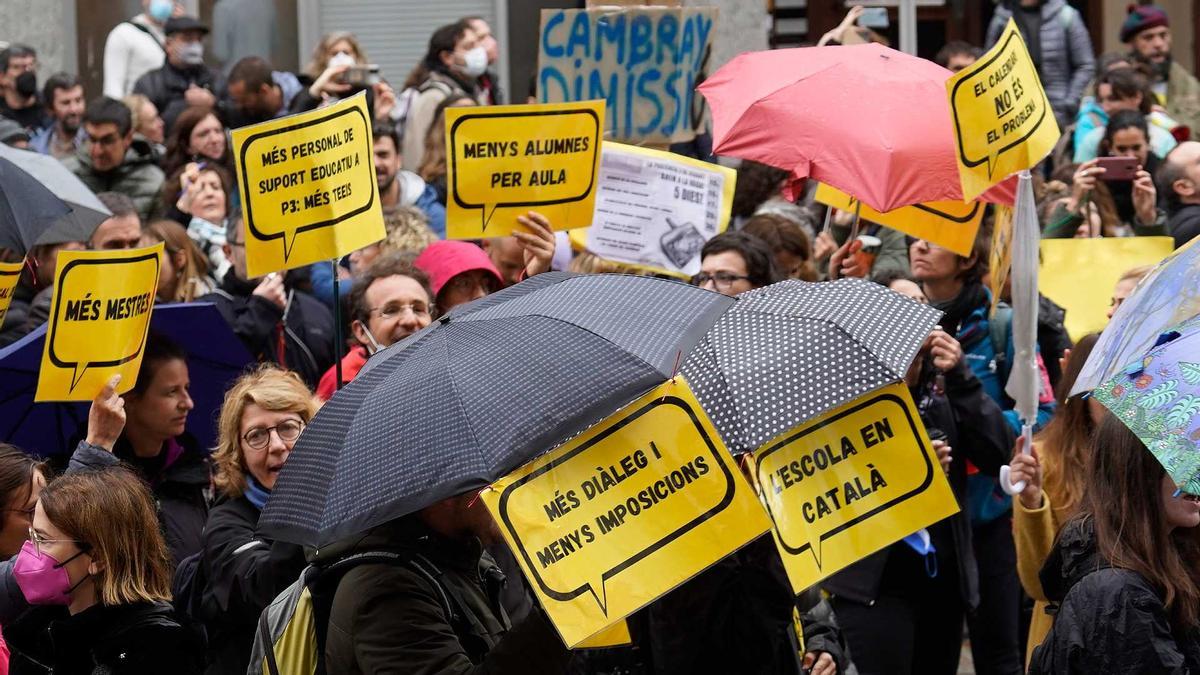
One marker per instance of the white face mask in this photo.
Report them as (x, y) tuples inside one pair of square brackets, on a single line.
[(341, 59), (475, 62), (192, 53)]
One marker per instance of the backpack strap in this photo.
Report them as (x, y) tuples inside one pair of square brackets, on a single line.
[(148, 32)]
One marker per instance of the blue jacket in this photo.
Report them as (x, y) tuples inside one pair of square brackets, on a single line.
[(985, 498)]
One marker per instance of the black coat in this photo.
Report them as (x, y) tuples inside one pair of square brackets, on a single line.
[(1184, 224), (975, 429), (309, 334), (142, 638), (165, 88), (180, 493), (1109, 620), (243, 573)]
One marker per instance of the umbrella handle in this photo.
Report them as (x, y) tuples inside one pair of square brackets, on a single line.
[(1013, 489)]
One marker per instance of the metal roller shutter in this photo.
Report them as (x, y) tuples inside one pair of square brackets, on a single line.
[(396, 33)]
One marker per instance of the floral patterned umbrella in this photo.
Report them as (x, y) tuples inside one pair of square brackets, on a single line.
[(1158, 398)]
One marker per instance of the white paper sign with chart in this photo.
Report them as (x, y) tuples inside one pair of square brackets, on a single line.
[(655, 209)]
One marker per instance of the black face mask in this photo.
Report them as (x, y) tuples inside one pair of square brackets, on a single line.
[(26, 84)]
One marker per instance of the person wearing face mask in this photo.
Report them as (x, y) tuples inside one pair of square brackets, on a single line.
[(97, 571), (263, 415), (136, 47), (391, 300), (18, 88), (489, 81), (183, 80), (453, 64)]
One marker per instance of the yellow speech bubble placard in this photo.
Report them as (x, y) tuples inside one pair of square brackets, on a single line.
[(1003, 121), (10, 273), (951, 225), (850, 483), (1080, 274), (625, 512), (99, 320), (506, 160), (308, 186)]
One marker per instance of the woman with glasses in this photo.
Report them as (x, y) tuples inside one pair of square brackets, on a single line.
[(736, 262), (98, 572), (264, 413)]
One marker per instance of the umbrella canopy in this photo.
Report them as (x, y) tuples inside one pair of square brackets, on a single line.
[(1024, 381), (27, 208), (1158, 398), (871, 121), (788, 352), (1166, 297), (87, 212), (215, 358), (479, 393)]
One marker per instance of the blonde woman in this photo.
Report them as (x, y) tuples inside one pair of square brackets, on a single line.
[(264, 413), (183, 276), (95, 550), (339, 46)]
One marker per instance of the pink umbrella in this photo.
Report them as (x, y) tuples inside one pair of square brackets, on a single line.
[(868, 120)]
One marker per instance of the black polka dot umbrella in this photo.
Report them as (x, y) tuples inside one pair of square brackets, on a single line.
[(788, 352)]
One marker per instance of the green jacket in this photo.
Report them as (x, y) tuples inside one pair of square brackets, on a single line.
[(1183, 97), (391, 618), (138, 177)]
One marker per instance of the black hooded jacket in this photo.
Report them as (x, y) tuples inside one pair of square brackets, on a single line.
[(1109, 620)]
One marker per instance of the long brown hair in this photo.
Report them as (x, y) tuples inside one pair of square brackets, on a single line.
[(1064, 446), (191, 280), (1123, 499), (113, 512), (433, 166)]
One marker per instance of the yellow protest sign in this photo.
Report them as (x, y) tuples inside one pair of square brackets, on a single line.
[(99, 320), (1080, 274), (850, 483), (625, 512), (613, 636), (1003, 121), (308, 186), (951, 225), (506, 160), (10, 273)]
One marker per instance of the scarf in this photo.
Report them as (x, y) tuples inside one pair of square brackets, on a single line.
[(255, 493), (970, 298)]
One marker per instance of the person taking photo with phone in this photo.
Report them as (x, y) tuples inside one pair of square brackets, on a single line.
[(1123, 173)]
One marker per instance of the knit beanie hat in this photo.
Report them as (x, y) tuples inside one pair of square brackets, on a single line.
[(1142, 17)]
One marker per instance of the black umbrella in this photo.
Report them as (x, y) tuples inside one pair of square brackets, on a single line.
[(788, 352), (27, 208), (479, 393), (87, 212)]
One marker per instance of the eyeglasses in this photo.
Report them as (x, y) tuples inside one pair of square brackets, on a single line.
[(39, 542), (259, 437), (721, 280), (394, 309)]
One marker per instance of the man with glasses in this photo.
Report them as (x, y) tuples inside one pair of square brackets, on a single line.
[(390, 301), (735, 262), (278, 324), (110, 160)]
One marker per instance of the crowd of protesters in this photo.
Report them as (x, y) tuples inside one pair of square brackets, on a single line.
[(140, 553)]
